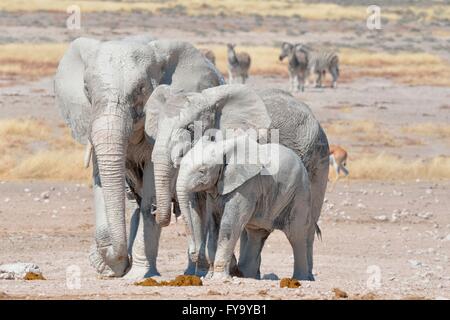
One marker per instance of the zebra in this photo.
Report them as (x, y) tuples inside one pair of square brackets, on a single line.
[(209, 54), (297, 65), (319, 62), (238, 64)]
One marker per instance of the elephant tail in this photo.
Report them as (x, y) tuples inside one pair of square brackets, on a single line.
[(318, 232)]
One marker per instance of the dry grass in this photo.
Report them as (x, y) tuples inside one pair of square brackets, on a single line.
[(389, 167), (30, 60), (310, 11), (361, 130), (32, 150), (440, 130), (319, 11), (405, 67)]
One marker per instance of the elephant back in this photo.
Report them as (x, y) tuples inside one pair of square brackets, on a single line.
[(297, 126)]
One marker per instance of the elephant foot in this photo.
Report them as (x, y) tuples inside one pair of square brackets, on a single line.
[(221, 277), (304, 277), (107, 268), (138, 272)]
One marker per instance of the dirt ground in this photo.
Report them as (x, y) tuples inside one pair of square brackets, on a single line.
[(381, 239)]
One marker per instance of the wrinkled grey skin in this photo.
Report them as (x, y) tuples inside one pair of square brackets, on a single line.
[(101, 89), (239, 107), (298, 59), (253, 197)]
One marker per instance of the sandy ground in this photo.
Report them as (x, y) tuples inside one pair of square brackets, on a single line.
[(391, 239)]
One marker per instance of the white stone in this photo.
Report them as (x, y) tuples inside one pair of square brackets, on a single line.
[(18, 271), (380, 218)]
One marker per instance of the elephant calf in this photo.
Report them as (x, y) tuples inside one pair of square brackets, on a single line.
[(249, 197)]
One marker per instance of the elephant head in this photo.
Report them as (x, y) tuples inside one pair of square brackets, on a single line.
[(101, 89), (224, 107), (218, 167)]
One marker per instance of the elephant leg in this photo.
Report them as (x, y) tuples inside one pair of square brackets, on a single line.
[(134, 225), (145, 247), (250, 252), (318, 188), (299, 247)]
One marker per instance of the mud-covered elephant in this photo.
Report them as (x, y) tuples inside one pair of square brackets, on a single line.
[(239, 107), (101, 89), (252, 189)]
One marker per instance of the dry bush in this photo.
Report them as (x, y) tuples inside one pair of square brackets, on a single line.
[(32, 150), (429, 129), (51, 164), (30, 60), (23, 129), (389, 167), (404, 67)]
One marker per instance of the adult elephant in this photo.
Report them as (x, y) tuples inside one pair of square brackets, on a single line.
[(101, 89), (237, 107)]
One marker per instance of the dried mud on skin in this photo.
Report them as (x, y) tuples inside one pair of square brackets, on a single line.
[(179, 281), (289, 283)]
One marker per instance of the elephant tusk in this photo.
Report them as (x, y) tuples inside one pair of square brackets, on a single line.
[(87, 155)]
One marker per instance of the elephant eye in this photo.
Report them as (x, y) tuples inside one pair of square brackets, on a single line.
[(202, 170)]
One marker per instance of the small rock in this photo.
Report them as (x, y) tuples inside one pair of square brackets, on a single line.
[(338, 293), (45, 195), (361, 206), (36, 199), (27, 190), (429, 191), (415, 263), (380, 218), (46, 200), (7, 200)]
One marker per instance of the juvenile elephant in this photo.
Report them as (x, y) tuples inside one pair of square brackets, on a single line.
[(101, 89), (251, 188), (238, 107)]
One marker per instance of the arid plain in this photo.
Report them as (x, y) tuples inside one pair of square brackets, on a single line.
[(386, 227)]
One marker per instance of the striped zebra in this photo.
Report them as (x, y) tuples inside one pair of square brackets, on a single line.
[(297, 65), (321, 61), (238, 64)]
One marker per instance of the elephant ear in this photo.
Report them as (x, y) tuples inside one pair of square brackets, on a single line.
[(237, 170), (237, 107), (69, 87)]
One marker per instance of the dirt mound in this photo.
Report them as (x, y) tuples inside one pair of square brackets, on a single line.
[(289, 283), (179, 281), (33, 276), (338, 293)]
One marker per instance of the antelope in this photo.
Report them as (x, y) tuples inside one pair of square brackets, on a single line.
[(238, 64), (338, 159)]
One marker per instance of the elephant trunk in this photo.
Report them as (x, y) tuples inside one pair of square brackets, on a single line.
[(191, 220), (109, 140), (164, 173)]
